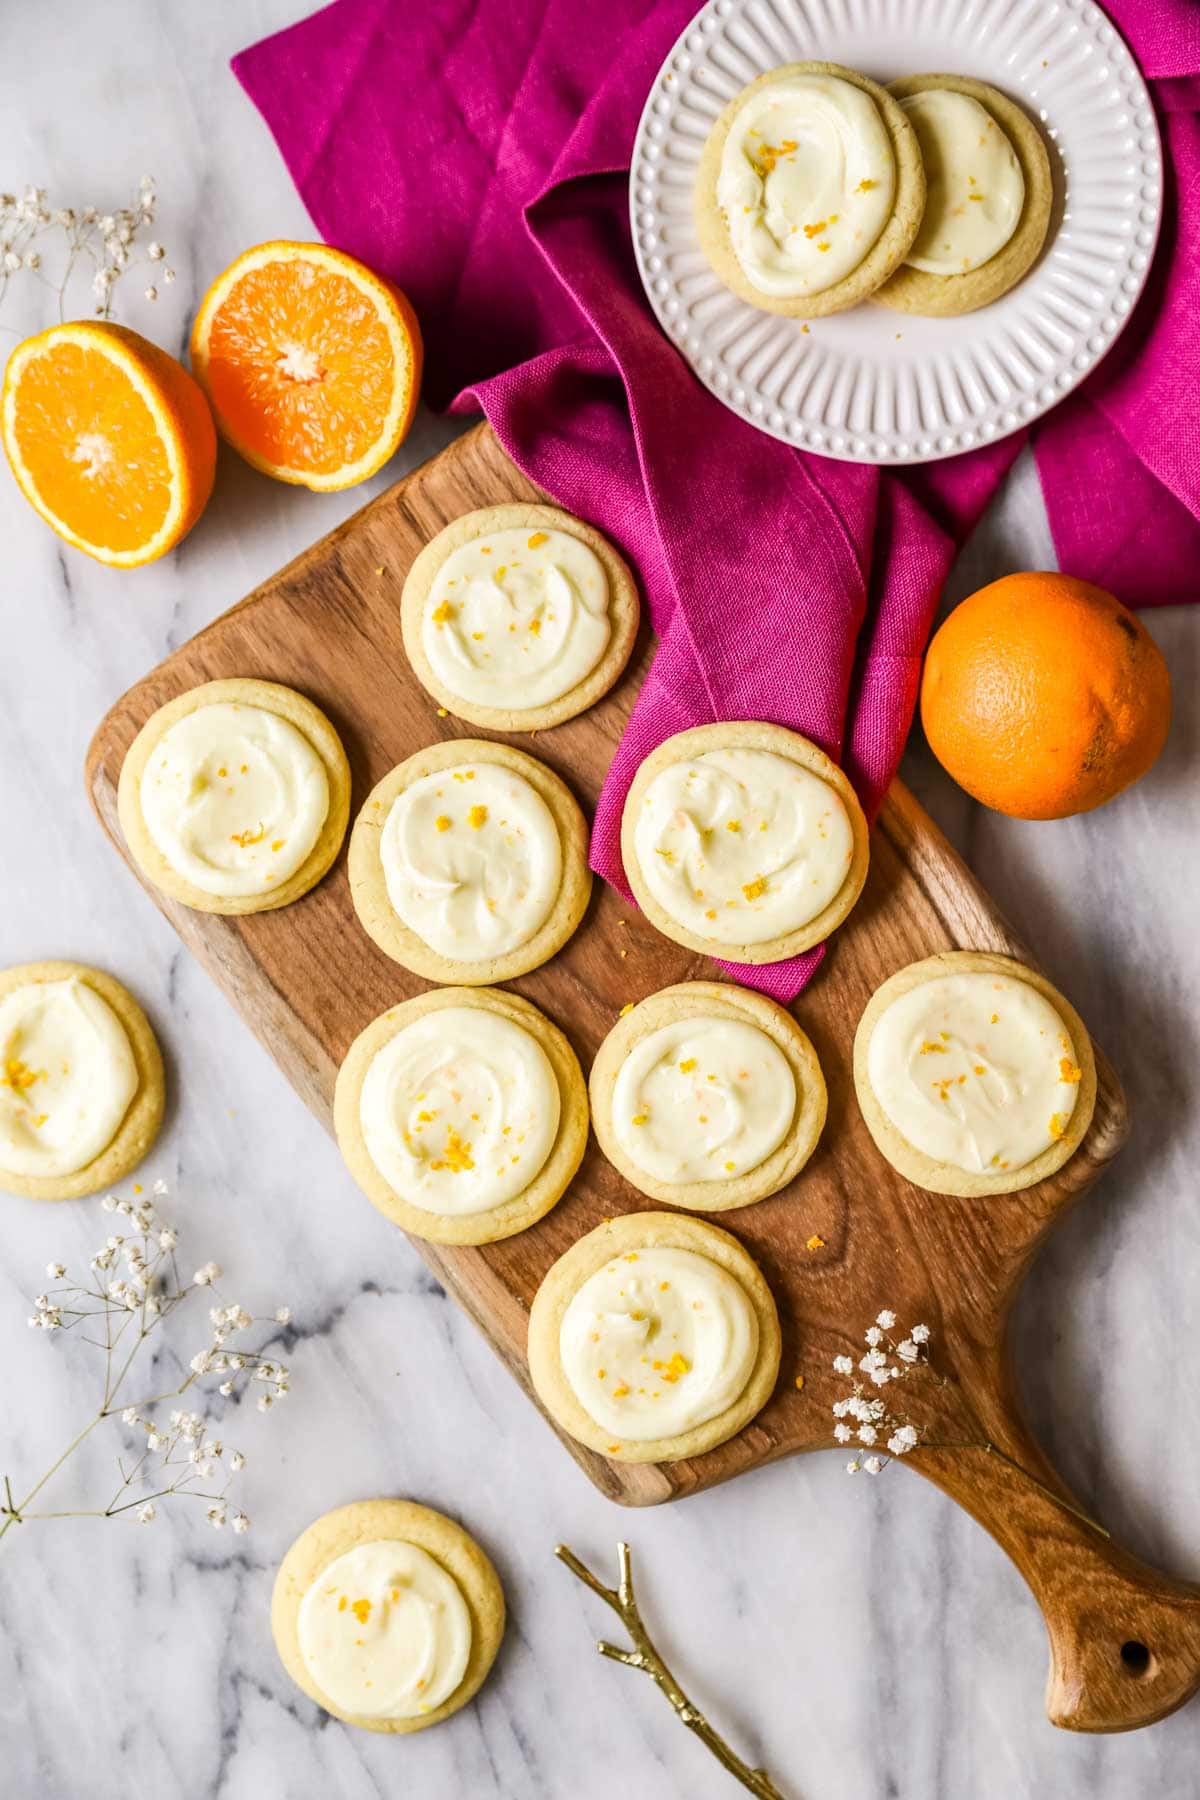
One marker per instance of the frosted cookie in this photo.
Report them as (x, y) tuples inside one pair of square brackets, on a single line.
[(462, 1114), (234, 797), (518, 617), (973, 1073), (989, 193), (809, 190), (468, 863), (707, 1096), (81, 1081), (387, 1614), (653, 1338), (744, 841)]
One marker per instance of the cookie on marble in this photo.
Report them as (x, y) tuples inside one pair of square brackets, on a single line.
[(234, 797), (809, 190), (975, 1076), (518, 617), (988, 202), (744, 841), (387, 1614), (81, 1081), (653, 1338), (462, 1114), (707, 1096), (468, 863)]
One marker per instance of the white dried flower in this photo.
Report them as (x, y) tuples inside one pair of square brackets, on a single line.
[(240, 1522), (872, 1465), (264, 1402), (216, 1516), (237, 1462), (109, 1203), (853, 1466), (129, 1416), (843, 1365), (842, 1433), (205, 1276), (155, 252), (886, 1319), (226, 1388), (874, 1337), (907, 1351), (151, 293), (56, 1271), (283, 1315), (147, 1514), (919, 1334), (867, 1434)]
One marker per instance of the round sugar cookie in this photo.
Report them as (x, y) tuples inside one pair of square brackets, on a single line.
[(760, 847), (945, 296), (359, 1526), (789, 1053), (322, 742), (449, 822), (1078, 1064), (551, 1178), (624, 1243), (536, 523), (884, 255), (138, 1126)]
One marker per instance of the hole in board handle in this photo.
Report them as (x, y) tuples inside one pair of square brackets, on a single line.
[(1136, 1657)]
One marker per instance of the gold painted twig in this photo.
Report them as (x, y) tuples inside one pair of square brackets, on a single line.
[(645, 1657)]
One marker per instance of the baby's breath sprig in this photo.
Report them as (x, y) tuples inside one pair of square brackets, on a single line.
[(867, 1422), (87, 240), (133, 1286)]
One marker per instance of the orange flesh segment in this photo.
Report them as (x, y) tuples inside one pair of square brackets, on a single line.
[(91, 444), (300, 365)]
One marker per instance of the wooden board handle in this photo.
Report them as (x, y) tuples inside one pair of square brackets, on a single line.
[(1124, 1638)]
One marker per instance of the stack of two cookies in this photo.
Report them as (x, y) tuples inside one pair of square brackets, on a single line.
[(818, 189)]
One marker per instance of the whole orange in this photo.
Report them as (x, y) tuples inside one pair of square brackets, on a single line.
[(1043, 696)]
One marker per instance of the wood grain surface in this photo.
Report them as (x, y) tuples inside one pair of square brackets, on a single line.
[(1125, 1641)]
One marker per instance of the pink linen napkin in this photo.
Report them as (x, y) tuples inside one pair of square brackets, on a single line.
[(476, 152)]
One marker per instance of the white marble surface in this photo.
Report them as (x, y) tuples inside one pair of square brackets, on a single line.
[(867, 1642)]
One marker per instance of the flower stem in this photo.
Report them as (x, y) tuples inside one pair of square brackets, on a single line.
[(645, 1657)]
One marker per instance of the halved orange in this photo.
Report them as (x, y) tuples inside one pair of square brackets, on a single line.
[(312, 364), (109, 438)]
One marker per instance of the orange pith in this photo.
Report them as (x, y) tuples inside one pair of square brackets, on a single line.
[(109, 438), (1043, 696), (311, 362)]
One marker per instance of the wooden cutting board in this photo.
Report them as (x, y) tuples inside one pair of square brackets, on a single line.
[(307, 979)]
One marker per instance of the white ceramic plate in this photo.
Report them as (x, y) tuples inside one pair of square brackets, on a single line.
[(872, 385)]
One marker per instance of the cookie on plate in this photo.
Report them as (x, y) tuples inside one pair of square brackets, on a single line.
[(81, 1081), (518, 617), (707, 1096), (744, 841), (387, 1614), (975, 1076), (653, 1338), (468, 863), (809, 190), (234, 797), (462, 1114), (988, 199)]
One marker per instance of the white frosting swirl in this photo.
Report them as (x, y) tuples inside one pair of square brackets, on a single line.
[(459, 1110), (703, 1099), (472, 860), (975, 191), (517, 618), (384, 1631), (235, 797), (67, 1077), (658, 1341), (807, 183), (977, 1070), (741, 846)]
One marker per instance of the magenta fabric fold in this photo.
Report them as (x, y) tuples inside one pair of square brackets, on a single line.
[(476, 152)]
